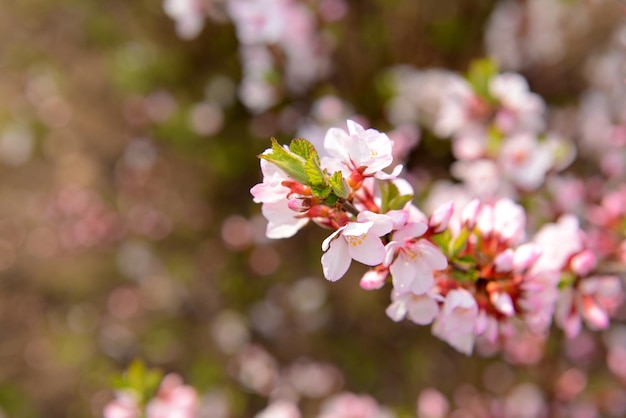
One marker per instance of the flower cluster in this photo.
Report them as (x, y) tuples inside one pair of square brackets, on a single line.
[(496, 124), (280, 40), (138, 396), (471, 273)]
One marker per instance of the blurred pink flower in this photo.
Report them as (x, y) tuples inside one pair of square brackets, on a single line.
[(173, 400)]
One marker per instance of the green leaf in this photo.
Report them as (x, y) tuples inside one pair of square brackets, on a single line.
[(442, 240), (331, 199), (567, 280), (388, 191), (457, 245), (340, 185), (480, 74), (321, 191), (398, 202), (302, 147), (494, 141), (465, 261), (292, 164), (140, 380), (315, 175)]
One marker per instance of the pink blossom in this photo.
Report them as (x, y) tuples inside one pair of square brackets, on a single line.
[(360, 147), (125, 405), (283, 222), (519, 108), (173, 400), (356, 240), (439, 219), (583, 263), (457, 319), (539, 295), (349, 405), (593, 300), (415, 259), (525, 160), (374, 279), (421, 309), (258, 21), (188, 14), (469, 215), (432, 404), (558, 242), (280, 409), (456, 100)]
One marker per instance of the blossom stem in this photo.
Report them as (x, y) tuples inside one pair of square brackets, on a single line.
[(348, 207)]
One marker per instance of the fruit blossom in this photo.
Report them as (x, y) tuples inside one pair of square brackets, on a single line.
[(469, 271)]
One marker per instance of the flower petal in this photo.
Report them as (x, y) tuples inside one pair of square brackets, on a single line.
[(367, 249), (336, 261)]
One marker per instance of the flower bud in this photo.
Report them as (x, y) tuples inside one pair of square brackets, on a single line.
[(525, 256), (594, 315), (440, 218), (469, 215), (583, 263), (504, 261), (503, 303), (374, 279), (299, 204)]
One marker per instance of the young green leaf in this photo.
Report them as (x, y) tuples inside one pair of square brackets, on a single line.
[(457, 245), (315, 175), (340, 185), (321, 191), (331, 199), (292, 164), (302, 147), (398, 202), (388, 191), (480, 74)]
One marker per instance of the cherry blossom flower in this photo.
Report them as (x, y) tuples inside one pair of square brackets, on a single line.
[(173, 400), (592, 301), (188, 14), (359, 147), (283, 222), (457, 319), (525, 160), (421, 309), (356, 240), (280, 409), (349, 405), (558, 241), (412, 268), (125, 405)]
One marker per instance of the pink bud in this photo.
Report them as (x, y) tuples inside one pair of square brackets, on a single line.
[(583, 263), (525, 256), (299, 205), (374, 279), (595, 316), (469, 215), (504, 261), (503, 303), (440, 218)]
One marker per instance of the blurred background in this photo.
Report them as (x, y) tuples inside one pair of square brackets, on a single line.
[(127, 150)]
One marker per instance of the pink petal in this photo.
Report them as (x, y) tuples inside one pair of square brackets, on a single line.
[(410, 231), (374, 279), (422, 310), (431, 255), (367, 249), (403, 274), (423, 279), (503, 303), (336, 261), (397, 310)]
